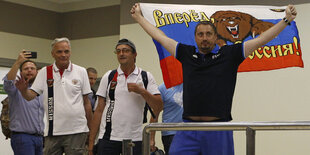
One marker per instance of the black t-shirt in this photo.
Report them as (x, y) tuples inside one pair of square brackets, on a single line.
[(209, 80)]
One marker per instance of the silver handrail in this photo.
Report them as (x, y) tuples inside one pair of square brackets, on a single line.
[(249, 127)]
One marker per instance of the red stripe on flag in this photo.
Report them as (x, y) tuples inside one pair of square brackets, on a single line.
[(172, 71)]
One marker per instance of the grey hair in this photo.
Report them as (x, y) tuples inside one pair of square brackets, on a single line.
[(63, 39)]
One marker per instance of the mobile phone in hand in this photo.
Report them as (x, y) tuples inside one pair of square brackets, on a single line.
[(33, 54)]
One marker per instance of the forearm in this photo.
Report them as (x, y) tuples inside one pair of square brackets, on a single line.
[(154, 101), (152, 133), (150, 29), (157, 34), (95, 123), (13, 71), (28, 94), (264, 38), (154, 120), (271, 33), (94, 127), (88, 110)]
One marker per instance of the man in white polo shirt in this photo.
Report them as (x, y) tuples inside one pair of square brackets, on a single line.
[(65, 88), (121, 118)]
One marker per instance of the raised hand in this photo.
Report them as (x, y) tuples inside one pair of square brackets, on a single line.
[(136, 11), (290, 12), (22, 84)]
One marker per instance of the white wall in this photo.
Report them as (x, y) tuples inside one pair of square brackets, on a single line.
[(279, 95), (92, 52), (12, 44), (95, 52)]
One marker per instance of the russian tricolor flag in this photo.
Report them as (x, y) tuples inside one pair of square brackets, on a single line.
[(234, 24)]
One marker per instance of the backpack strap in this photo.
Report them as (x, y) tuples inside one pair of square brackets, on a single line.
[(111, 76), (113, 80), (50, 98), (146, 107)]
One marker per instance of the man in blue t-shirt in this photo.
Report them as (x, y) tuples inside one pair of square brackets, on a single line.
[(209, 78)]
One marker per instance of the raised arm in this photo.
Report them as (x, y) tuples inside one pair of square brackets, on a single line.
[(264, 38), (168, 43), (22, 85), (14, 69)]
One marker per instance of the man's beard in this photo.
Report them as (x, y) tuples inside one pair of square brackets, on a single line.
[(206, 49)]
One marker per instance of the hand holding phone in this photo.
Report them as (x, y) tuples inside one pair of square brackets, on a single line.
[(31, 54)]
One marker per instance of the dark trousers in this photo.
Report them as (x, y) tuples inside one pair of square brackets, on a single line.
[(167, 140), (27, 144), (111, 147)]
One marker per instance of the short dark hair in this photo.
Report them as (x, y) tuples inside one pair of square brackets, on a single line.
[(125, 41), (21, 65), (91, 69), (206, 23)]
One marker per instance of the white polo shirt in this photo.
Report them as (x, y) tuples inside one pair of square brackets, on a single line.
[(127, 115), (69, 113)]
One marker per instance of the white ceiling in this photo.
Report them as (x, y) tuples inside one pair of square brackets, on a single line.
[(66, 5)]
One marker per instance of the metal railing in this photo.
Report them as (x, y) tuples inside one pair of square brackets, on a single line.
[(249, 127)]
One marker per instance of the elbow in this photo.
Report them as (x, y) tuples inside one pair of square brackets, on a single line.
[(28, 98)]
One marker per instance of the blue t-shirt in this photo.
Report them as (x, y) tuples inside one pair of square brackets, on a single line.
[(173, 105)]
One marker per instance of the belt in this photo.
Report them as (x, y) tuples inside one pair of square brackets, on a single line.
[(33, 134)]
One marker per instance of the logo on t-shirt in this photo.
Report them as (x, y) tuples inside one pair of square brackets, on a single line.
[(74, 81), (215, 56), (178, 98)]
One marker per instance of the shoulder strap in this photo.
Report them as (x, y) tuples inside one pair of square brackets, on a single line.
[(113, 85), (146, 107), (111, 75), (49, 70), (144, 78), (112, 78), (50, 98)]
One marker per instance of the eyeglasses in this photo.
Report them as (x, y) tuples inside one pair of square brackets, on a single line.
[(124, 50)]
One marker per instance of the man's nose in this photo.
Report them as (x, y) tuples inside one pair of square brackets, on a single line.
[(63, 54), (204, 37)]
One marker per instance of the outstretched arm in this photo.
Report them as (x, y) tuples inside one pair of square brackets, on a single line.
[(264, 38), (22, 85), (168, 43)]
